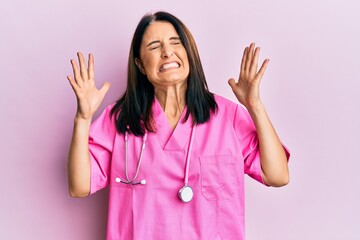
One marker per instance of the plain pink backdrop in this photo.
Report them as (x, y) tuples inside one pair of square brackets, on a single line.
[(311, 90)]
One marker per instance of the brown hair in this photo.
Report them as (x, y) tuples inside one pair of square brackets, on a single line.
[(133, 110)]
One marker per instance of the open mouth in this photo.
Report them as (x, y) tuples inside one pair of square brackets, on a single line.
[(167, 66)]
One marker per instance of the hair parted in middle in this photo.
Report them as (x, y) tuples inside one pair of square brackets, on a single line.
[(133, 111)]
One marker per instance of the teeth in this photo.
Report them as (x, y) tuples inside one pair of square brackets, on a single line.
[(169, 65)]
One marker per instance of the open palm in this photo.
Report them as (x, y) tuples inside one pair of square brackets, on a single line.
[(246, 89), (88, 96)]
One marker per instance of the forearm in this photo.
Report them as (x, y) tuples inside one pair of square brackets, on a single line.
[(79, 159), (273, 157)]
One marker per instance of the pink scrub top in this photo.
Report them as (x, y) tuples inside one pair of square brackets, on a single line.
[(223, 150)]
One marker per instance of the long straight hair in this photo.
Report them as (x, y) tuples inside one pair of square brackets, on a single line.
[(133, 111)]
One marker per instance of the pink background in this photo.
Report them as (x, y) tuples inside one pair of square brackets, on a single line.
[(311, 90)]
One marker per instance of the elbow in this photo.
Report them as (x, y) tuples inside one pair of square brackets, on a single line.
[(276, 176), (278, 181), (77, 193)]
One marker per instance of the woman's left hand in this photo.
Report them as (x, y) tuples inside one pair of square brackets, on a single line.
[(246, 89)]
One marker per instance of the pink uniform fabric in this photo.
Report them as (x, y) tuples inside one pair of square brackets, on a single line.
[(223, 150)]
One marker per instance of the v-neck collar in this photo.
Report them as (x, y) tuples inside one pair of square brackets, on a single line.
[(176, 139)]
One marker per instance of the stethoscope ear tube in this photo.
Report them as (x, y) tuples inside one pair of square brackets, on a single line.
[(128, 181), (119, 180)]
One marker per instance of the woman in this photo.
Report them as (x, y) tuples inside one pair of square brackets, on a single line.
[(173, 153)]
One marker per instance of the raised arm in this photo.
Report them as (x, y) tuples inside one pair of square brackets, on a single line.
[(272, 154), (89, 99)]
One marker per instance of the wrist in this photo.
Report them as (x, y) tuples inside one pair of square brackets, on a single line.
[(82, 116), (258, 115), (255, 108), (81, 120)]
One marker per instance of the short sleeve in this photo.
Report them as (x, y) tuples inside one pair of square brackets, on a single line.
[(249, 142), (101, 141)]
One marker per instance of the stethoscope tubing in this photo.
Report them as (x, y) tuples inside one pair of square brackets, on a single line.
[(186, 179), (185, 193), (127, 160)]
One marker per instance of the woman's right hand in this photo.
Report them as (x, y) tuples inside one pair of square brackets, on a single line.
[(88, 96)]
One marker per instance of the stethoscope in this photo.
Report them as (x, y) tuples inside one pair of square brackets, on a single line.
[(185, 193), (128, 181)]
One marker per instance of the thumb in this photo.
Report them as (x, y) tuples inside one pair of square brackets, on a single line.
[(232, 83), (105, 88)]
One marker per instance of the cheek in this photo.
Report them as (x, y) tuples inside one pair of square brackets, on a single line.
[(186, 59), (150, 64), (187, 64), (147, 60)]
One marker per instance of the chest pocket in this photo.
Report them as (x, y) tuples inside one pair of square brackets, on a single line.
[(218, 179)]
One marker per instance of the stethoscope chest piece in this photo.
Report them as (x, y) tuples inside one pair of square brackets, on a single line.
[(186, 194)]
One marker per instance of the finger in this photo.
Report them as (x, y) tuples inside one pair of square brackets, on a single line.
[(105, 88), (254, 62), (91, 66), (76, 71), (83, 69), (73, 84), (262, 69), (232, 83), (242, 66), (249, 57)]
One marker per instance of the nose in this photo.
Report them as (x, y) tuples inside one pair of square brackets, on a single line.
[(167, 51)]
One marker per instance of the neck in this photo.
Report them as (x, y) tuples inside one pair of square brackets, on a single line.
[(172, 101)]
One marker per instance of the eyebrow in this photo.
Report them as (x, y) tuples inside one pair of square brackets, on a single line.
[(153, 42), (157, 41)]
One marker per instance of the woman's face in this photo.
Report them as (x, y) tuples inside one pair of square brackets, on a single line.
[(163, 58)]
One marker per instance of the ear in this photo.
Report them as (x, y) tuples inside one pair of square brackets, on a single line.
[(140, 66)]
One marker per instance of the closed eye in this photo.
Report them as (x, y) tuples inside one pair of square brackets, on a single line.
[(175, 41), (154, 47)]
